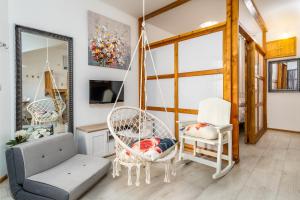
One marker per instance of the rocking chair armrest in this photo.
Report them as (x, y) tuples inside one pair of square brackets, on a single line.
[(224, 128)]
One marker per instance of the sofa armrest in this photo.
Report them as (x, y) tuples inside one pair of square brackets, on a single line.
[(11, 172)]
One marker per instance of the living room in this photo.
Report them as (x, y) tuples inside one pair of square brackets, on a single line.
[(211, 86)]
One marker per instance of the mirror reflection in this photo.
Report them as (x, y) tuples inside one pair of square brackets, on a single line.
[(44, 82), (284, 75)]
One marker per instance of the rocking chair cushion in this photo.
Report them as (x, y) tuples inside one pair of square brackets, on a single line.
[(202, 130)]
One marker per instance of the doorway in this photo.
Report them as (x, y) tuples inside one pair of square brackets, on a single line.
[(252, 88)]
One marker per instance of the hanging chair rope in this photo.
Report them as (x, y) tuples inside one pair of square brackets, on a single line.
[(133, 127)]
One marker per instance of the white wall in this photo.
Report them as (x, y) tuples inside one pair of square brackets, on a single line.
[(34, 67), (282, 19), (5, 119), (69, 18)]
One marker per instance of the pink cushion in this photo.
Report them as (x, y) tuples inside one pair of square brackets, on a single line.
[(201, 130)]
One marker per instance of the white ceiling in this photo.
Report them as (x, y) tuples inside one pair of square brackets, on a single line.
[(280, 15), (187, 17), (135, 7)]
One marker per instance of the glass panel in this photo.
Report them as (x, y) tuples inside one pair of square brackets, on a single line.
[(256, 120), (261, 64), (261, 91), (194, 89), (261, 117), (154, 96), (256, 63), (201, 53), (163, 60), (167, 118), (256, 91)]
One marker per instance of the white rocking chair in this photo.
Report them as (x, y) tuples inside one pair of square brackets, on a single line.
[(216, 112)]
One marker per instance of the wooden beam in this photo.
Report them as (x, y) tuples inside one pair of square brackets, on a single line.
[(260, 49), (189, 35), (141, 68), (265, 74), (235, 76), (256, 14), (180, 110), (231, 70), (162, 109), (162, 76), (187, 74), (165, 9), (188, 111), (201, 73), (250, 92), (176, 91), (249, 38)]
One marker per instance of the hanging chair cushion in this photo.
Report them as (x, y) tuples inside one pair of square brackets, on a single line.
[(151, 148), (201, 130)]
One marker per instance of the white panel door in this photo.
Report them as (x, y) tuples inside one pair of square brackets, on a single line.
[(192, 90), (163, 59), (201, 53)]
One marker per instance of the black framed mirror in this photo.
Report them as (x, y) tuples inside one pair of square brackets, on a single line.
[(44, 79), (284, 75)]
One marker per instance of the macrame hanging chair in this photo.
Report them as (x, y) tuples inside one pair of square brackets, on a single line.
[(47, 110), (135, 128)]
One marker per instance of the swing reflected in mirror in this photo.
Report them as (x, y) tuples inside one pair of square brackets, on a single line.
[(45, 80)]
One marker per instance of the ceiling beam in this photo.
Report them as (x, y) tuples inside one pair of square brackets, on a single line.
[(165, 8), (256, 14)]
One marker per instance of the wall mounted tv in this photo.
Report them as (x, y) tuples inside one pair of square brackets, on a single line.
[(102, 92)]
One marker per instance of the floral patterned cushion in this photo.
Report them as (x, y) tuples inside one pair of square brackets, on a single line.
[(201, 130)]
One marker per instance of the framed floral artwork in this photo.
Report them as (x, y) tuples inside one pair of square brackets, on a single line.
[(109, 42)]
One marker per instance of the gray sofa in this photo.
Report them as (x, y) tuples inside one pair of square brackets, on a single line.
[(50, 168)]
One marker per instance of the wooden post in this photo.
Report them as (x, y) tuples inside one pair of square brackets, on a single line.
[(231, 75), (265, 75), (251, 94), (176, 97)]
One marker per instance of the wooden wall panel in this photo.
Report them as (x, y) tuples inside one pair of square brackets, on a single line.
[(281, 48)]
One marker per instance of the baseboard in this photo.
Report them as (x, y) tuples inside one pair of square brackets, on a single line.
[(3, 178), (283, 130)]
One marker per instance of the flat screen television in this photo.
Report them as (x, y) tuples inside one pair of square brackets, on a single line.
[(102, 92)]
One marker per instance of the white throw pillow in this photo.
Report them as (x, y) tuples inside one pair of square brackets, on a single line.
[(201, 130)]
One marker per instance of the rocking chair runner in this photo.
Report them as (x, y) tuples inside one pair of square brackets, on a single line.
[(215, 112)]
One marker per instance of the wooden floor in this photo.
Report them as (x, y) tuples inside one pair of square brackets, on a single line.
[(267, 170)]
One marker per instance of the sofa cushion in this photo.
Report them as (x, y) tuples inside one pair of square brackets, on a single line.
[(70, 179), (39, 155)]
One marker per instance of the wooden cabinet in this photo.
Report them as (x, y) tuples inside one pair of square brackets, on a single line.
[(282, 48), (94, 140)]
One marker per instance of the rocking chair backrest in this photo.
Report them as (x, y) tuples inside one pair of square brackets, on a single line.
[(215, 111)]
